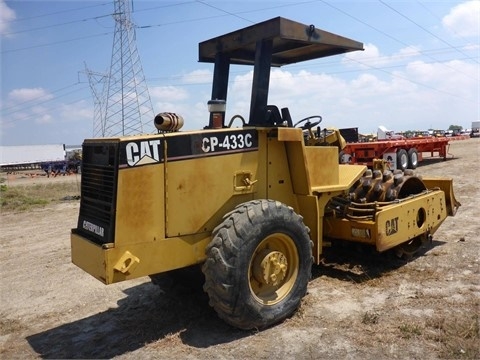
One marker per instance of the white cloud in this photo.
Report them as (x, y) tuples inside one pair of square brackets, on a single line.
[(201, 76), (372, 57), (44, 119), (414, 97), (464, 19), (40, 123), (242, 85), (408, 52), (471, 47), (371, 53), (191, 105), (29, 94), (6, 16), (80, 111), (167, 93), (453, 77)]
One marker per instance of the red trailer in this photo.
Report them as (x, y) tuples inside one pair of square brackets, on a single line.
[(398, 154)]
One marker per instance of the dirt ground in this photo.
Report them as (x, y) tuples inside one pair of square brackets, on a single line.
[(358, 306)]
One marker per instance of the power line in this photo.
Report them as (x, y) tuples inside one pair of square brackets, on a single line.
[(9, 108), (40, 103), (365, 64), (47, 111), (440, 20), (163, 6), (423, 28), (81, 20), (224, 11), (55, 43), (59, 12), (411, 81), (387, 35), (4, 52), (34, 102), (424, 52), (56, 25)]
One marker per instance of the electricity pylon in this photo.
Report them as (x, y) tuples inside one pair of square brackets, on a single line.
[(97, 83), (128, 107)]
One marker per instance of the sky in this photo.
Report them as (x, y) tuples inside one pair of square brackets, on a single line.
[(420, 68)]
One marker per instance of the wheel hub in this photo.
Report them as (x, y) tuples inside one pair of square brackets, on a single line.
[(270, 267)]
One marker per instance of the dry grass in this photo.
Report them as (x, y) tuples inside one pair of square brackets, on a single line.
[(409, 330), (458, 335), (25, 198), (171, 339), (9, 326), (370, 317)]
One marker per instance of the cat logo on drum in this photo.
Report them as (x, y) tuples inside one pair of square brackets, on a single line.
[(391, 226)]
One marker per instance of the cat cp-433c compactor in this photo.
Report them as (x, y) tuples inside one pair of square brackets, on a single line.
[(253, 205)]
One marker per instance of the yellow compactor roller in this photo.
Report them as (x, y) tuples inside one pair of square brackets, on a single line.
[(253, 205)]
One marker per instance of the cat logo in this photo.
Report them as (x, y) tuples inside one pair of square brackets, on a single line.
[(143, 152), (391, 226)]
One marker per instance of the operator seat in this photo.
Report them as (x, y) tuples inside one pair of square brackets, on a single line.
[(286, 117), (273, 117)]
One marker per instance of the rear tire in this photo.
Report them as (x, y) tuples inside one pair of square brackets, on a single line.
[(258, 264), (412, 158), (402, 159)]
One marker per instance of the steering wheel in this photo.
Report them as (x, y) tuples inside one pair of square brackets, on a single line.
[(308, 125)]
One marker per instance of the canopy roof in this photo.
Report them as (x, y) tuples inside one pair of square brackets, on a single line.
[(292, 42)]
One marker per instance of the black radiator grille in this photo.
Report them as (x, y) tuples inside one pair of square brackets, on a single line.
[(98, 192)]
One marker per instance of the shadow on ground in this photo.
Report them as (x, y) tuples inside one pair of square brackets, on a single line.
[(436, 159), (146, 315), (349, 261), (150, 313)]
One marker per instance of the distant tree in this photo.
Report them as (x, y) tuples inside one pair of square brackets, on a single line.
[(455, 127), (408, 133), (76, 155)]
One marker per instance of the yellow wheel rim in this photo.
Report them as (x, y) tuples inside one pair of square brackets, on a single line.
[(273, 269)]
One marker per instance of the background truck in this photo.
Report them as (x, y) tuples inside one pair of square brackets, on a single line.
[(253, 206), (475, 129)]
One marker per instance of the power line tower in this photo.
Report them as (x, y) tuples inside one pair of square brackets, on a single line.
[(97, 83), (128, 107)]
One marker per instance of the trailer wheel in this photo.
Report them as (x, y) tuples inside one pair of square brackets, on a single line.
[(258, 264), (412, 158), (402, 159)]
